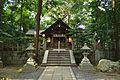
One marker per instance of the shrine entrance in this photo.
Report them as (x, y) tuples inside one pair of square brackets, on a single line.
[(57, 36), (59, 42)]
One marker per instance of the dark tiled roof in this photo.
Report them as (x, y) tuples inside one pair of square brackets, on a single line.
[(59, 21), (31, 32)]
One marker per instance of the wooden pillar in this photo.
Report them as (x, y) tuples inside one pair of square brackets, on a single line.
[(52, 42), (66, 41), (59, 44)]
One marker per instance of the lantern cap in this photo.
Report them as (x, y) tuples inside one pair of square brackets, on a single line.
[(85, 47), (30, 47)]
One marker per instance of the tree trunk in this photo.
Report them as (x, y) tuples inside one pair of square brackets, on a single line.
[(1, 11), (21, 16), (116, 31), (37, 25)]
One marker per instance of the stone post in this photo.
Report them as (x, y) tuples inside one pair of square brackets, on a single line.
[(72, 45), (1, 63), (44, 42)]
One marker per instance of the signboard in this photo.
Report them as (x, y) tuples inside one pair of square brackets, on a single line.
[(59, 35)]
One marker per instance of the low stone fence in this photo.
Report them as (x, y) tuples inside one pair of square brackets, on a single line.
[(17, 57), (13, 57), (100, 54)]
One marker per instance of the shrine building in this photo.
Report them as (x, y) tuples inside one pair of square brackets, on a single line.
[(57, 36)]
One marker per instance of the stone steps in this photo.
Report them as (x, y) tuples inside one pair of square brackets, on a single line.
[(58, 54), (56, 61), (58, 58), (58, 64), (52, 52)]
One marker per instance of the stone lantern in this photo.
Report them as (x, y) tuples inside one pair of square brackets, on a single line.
[(30, 64), (30, 51), (85, 63)]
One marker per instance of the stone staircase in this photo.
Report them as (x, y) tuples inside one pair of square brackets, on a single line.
[(58, 58)]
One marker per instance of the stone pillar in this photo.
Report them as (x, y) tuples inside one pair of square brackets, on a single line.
[(72, 45), (97, 56), (44, 43), (1, 63)]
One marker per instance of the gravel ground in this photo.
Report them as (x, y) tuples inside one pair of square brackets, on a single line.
[(94, 75), (9, 72), (12, 73)]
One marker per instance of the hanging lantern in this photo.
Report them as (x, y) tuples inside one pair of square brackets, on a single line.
[(43, 35), (69, 39), (48, 39), (59, 25)]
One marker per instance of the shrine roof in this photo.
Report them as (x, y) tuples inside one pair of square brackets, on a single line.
[(54, 25), (32, 31)]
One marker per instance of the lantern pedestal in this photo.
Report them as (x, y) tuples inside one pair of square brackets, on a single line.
[(29, 66), (85, 63)]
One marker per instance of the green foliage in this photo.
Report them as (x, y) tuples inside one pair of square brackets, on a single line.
[(14, 18), (86, 12)]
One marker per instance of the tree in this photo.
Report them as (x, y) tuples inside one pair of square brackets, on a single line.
[(116, 28), (37, 27), (97, 15)]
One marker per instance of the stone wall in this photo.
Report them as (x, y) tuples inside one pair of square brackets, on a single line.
[(13, 57), (104, 54)]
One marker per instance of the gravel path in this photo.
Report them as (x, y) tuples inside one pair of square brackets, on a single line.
[(33, 75), (11, 73), (93, 75)]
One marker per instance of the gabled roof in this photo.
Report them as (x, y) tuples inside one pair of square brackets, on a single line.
[(54, 25), (31, 32)]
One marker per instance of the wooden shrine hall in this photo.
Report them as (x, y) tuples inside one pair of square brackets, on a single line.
[(57, 36)]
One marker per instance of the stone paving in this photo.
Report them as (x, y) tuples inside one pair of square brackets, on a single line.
[(30, 75), (94, 75), (57, 73)]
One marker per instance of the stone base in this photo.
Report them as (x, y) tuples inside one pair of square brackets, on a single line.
[(1, 64), (29, 66), (86, 65)]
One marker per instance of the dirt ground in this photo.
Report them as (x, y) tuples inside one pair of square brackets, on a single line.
[(9, 72)]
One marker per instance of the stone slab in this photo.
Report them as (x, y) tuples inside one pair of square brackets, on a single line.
[(57, 73)]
